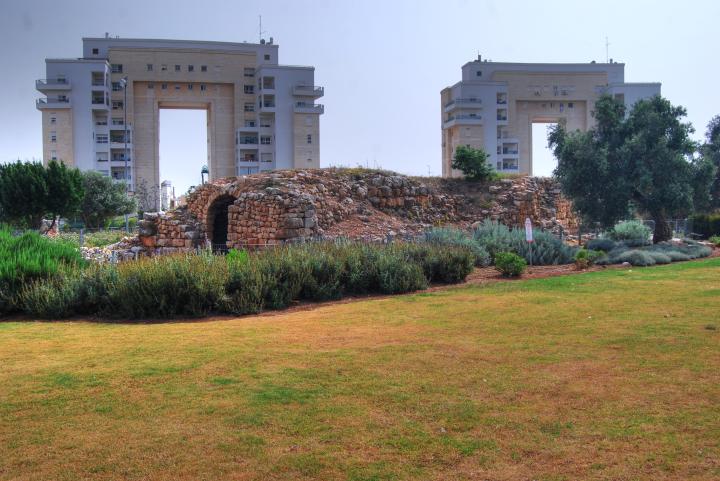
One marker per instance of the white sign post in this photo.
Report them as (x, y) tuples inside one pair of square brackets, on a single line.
[(529, 235)]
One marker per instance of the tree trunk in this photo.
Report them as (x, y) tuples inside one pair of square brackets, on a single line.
[(663, 231)]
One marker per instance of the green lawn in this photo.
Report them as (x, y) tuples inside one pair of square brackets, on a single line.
[(606, 375)]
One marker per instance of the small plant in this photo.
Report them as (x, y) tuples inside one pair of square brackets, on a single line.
[(632, 233), (715, 240), (509, 264), (585, 258), (473, 163), (237, 257)]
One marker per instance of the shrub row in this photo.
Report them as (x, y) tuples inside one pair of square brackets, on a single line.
[(196, 285), (662, 253), (546, 249)]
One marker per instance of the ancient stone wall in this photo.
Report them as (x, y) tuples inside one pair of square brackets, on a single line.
[(275, 207)]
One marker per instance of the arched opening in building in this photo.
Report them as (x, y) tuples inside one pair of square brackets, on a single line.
[(217, 223)]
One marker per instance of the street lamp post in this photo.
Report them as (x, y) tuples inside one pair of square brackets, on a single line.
[(205, 171)]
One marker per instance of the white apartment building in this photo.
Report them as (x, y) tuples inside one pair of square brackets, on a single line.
[(261, 115), (495, 105)]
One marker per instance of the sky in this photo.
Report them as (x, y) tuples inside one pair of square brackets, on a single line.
[(382, 63)]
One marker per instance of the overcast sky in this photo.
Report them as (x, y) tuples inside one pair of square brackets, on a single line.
[(383, 63)]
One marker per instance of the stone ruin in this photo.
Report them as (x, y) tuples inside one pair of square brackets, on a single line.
[(299, 205)]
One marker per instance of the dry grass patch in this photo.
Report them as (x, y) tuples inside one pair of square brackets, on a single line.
[(605, 375)]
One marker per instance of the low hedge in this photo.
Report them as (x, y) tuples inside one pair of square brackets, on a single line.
[(197, 285)]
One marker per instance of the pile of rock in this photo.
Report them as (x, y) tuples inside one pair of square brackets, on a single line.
[(296, 205)]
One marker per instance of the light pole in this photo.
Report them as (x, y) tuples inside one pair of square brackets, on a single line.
[(123, 82), (205, 171)]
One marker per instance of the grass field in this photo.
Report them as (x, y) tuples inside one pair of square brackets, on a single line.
[(606, 375)]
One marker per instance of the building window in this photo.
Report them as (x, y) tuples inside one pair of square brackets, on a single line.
[(267, 56), (95, 51), (163, 67), (266, 157), (478, 73), (116, 87), (177, 87), (53, 119), (117, 105), (53, 136), (249, 72), (163, 86), (309, 138), (177, 68), (249, 107), (190, 86), (53, 155), (203, 68), (265, 140), (203, 87), (191, 68), (101, 138), (570, 105), (151, 85), (116, 68), (249, 89), (149, 67), (249, 123), (102, 157), (267, 123)]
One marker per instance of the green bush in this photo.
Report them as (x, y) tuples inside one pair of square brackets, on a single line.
[(635, 257), (585, 258), (676, 256), (509, 264), (715, 240), (167, 287), (396, 275), (632, 233), (28, 258), (706, 225), (601, 244), (326, 270), (457, 237), (660, 257), (546, 249)]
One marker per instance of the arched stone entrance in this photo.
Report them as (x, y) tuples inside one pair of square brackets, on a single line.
[(217, 222)]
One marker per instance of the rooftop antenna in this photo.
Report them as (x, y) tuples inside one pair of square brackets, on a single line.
[(607, 50), (260, 30)]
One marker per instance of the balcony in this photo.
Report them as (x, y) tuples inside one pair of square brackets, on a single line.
[(471, 103), (53, 103), (99, 103), (247, 142), (267, 106), (308, 108), (44, 85), (453, 120), (308, 91)]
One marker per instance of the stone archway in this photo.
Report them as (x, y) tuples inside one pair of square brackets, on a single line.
[(218, 221)]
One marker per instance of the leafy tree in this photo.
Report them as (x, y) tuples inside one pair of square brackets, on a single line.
[(643, 160), (590, 170), (103, 200), (29, 192), (473, 163), (23, 193), (65, 190), (710, 151)]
